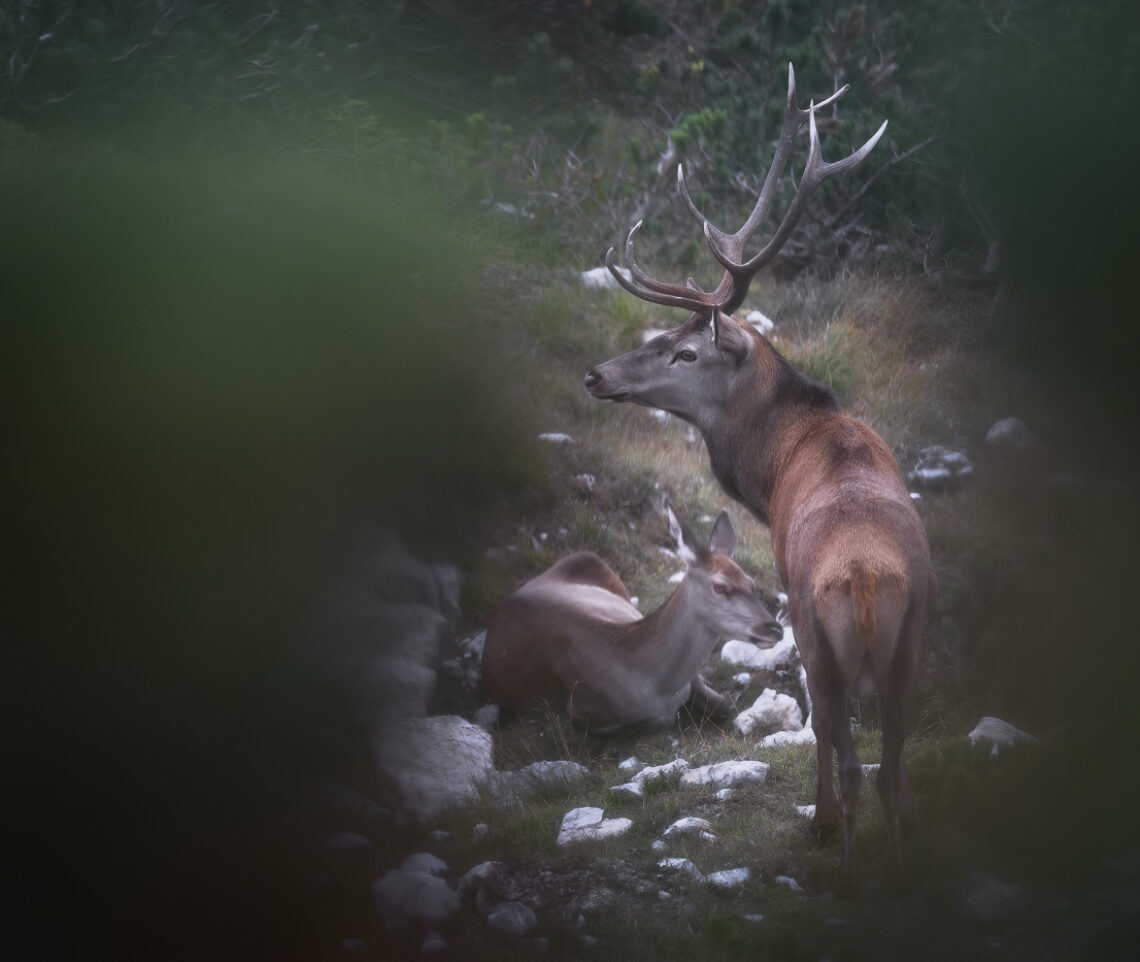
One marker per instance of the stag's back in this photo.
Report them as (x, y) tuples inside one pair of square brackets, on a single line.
[(851, 547)]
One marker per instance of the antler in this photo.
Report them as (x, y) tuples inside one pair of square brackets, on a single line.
[(728, 249)]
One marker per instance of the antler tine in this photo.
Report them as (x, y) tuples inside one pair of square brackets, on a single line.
[(707, 226), (639, 275), (649, 289), (816, 170), (728, 249)]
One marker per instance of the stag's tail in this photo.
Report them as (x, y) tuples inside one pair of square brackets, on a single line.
[(863, 584)]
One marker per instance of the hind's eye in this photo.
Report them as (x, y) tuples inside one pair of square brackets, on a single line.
[(685, 356), (720, 589)]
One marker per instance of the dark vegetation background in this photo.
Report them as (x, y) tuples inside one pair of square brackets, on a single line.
[(258, 263)]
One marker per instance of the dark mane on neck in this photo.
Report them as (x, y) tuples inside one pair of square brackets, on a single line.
[(795, 387)]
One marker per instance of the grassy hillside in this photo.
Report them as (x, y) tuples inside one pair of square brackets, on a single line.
[(263, 285)]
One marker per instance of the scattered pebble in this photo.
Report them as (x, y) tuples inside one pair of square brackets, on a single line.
[(729, 878), (1001, 734), (589, 824), (788, 882), (681, 865)]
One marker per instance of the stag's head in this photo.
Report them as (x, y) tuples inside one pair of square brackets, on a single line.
[(692, 368)]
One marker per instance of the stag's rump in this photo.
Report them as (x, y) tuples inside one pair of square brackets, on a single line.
[(859, 584)]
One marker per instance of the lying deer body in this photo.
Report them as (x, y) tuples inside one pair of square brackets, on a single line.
[(571, 637), (849, 545)]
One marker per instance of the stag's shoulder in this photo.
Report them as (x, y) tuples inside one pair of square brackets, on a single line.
[(839, 446)]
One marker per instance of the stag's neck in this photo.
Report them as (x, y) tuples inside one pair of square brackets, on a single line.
[(669, 645), (765, 419)]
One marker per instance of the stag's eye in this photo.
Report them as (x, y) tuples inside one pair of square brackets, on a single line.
[(685, 355), (720, 589)]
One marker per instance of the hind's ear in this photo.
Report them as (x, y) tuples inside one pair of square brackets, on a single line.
[(682, 539), (723, 537)]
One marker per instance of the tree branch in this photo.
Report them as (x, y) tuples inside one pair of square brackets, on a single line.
[(858, 195)]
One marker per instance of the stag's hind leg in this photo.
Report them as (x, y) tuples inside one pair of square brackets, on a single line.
[(850, 780), (894, 702)]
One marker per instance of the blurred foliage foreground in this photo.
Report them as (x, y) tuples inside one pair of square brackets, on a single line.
[(213, 379), (216, 371)]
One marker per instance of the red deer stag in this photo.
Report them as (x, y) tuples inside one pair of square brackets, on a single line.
[(571, 637), (848, 542)]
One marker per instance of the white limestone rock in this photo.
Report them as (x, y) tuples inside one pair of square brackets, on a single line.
[(772, 711), (514, 786), (804, 736), (487, 718), (436, 763), (726, 774), (589, 824), (1000, 734), (730, 878), (789, 883), (669, 772), (690, 825), (747, 655), (477, 875), (404, 898), (600, 278), (515, 920), (939, 468), (424, 862), (629, 789), (1012, 437), (759, 320), (682, 865)]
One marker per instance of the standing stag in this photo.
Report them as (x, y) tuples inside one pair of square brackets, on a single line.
[(572, 638), (848, 542)]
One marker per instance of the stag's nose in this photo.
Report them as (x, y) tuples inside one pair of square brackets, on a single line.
[(592, 379)]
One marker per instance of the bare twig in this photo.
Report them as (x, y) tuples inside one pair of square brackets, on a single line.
[(998, 26), (989, 232), (130, 52), (254, 26), (169, 15), (51, 101), (858, 195)]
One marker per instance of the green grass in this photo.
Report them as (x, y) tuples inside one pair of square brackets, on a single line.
[(912, 362), (908, 359)]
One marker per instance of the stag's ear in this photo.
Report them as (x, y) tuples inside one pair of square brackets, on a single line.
[(682, 539), (728, 336), (723, 537)]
